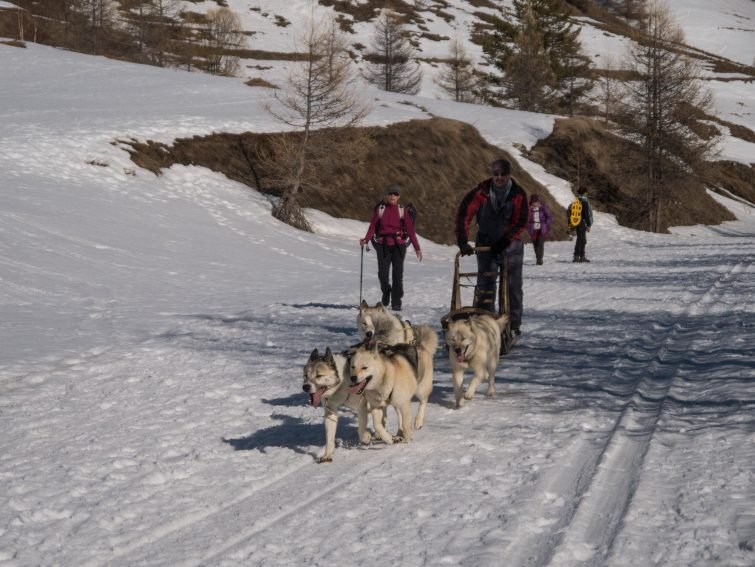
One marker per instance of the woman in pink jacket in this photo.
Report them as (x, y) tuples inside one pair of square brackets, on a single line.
[(392, 229), (540, 222)]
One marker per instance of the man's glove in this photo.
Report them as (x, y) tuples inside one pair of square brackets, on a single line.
[(499, 245), (464, 247)]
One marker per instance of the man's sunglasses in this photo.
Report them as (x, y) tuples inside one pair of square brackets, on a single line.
[(396, 194), (499, 174)]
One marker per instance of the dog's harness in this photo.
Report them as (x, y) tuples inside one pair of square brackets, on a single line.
[(406, 326)]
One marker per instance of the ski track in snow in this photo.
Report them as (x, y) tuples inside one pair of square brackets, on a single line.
[(249, 518), (599, 474), (576, 508)]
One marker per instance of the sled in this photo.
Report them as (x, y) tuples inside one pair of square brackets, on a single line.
[(464, 279)]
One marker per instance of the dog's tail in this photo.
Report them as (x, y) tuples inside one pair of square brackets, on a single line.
[(426, 343), (426, 338), (502, 321)]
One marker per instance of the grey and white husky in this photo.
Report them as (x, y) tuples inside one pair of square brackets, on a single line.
[(392, 375), (325, 380), (474, 344), (380, 325)]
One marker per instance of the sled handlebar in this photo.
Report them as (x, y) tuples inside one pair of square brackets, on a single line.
[(476, 250)]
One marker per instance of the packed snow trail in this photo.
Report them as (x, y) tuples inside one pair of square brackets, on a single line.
[(154, 331)]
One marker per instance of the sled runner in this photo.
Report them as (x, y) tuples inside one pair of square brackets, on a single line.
[(469, 279)]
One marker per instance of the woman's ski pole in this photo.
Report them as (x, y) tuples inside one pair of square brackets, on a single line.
[(361, 272)]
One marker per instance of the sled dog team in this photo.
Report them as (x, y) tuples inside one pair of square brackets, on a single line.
[(394, 364)]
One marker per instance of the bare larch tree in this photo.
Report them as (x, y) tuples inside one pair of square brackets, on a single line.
[(660, 109), (457, 75), (222, 36), (322, 102)]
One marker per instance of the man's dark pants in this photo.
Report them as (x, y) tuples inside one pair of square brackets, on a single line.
[(579, 247), (486, 262)]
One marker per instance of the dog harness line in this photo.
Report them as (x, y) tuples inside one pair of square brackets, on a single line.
[(407, 328)]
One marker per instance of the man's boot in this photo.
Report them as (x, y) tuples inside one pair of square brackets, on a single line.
[(577, 258)]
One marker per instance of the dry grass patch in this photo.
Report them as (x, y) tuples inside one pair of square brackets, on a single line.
[(585, 153), (360, 12), (736, 178), (260, 82), (482, 4), (268, 55), (436, 162)]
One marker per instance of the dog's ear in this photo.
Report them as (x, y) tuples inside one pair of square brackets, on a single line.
[(380, 306), (314, 356), (329, 356), (364, 305)]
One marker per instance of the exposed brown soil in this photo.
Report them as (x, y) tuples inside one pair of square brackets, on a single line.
[(435, 161), (735, 178), (582, 151)]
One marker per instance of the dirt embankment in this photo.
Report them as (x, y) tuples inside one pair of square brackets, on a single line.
[(435, 161), (590, 156)]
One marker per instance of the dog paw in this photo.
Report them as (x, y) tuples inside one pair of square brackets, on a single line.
[(400, 439), (460, 403), (490, 394), (468, 396), (366, 438), (418, 424), (325, 459)]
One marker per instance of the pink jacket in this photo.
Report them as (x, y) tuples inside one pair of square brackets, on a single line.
[(389, 230)]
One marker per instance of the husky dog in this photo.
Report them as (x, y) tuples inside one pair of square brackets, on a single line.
[(391, 375), (324, 381), (474, 343), (380, 325)]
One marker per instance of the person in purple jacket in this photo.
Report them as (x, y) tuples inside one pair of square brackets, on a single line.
[(392, 229), (540, 222)]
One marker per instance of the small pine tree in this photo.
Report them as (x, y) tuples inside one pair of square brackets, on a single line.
[(391, 64), (529, 77), (560, 41)]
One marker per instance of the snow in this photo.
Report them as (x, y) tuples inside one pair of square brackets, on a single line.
[(726, 29), (154, 330)]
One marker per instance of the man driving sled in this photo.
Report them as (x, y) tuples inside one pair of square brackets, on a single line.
[(499, 204)]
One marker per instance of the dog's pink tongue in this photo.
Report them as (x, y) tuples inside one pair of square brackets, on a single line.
[(315, 398), (355, 388), (460, 357)]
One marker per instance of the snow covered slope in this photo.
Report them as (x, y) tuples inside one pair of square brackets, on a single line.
[(154, 329)]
